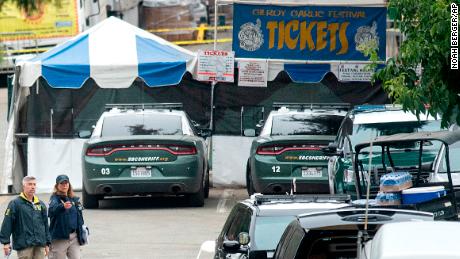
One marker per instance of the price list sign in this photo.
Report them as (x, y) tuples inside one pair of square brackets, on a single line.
[(216, 66)]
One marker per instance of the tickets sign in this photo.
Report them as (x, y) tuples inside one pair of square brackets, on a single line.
[(308, 32), (216, 66)]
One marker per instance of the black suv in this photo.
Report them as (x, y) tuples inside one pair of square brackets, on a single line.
[(334, 234), (254, 226)]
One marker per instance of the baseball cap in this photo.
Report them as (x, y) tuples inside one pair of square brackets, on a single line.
[(61, 178)]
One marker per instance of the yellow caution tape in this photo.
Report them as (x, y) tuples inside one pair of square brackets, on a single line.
[(192, 28), (25, 51), (200, 40), (190, 42)]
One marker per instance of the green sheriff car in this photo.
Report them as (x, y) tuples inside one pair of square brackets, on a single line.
[(287, 155), (144, 149), (366, 122)]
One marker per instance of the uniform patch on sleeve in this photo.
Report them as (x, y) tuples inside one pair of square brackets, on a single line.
[(7, 212)]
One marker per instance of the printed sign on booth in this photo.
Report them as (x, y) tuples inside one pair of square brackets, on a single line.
[(308, 32), (216, 65), (355, 73), (252, 73)]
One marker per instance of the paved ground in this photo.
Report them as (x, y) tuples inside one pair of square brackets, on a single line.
[(151, 228)]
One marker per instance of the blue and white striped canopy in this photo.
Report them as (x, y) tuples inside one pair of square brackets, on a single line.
[(113, 53)]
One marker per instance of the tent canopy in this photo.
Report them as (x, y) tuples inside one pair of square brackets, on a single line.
[(113, 53)]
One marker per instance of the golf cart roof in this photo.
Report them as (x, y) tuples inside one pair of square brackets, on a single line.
[(448, 137)]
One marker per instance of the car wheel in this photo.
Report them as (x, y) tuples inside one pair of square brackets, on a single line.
[(206, 185), (197, 199), (90, 201)]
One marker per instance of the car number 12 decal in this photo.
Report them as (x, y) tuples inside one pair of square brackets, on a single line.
[(276, 168)]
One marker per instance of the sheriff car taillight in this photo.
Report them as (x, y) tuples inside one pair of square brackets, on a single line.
[(99, 151), (182, 150), (276, 150), (269, 150)]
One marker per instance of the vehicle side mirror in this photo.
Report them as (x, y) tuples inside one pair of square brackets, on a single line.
[(331, 149), (249, 132), (84, 134), (231, 245), (237, 246)]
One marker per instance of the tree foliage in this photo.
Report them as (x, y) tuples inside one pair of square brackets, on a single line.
[(425, 25)]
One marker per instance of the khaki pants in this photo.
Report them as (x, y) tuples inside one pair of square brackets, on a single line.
[(66, 248), (33, 252)]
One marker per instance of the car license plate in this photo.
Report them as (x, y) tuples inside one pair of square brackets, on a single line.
[(141, 172), (311, 172)]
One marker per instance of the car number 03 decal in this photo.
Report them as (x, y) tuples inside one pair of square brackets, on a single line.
[(105, 171), (276, 168)]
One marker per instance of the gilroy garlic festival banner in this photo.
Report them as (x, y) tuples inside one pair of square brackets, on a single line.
[(308, 32)]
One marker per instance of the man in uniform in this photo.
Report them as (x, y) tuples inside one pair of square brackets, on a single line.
[(26, 219)]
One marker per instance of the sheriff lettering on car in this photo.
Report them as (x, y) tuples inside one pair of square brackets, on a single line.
[(144, 159)]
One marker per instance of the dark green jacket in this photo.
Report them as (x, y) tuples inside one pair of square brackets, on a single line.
[(27, 222)]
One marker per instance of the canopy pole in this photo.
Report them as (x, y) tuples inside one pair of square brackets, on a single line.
[(211, 126), (214, 82), (51, 122), (241, 121), (213, 85), (215, 24), (211, 121)]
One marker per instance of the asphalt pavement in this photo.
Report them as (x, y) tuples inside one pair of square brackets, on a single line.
[(151, 227)]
